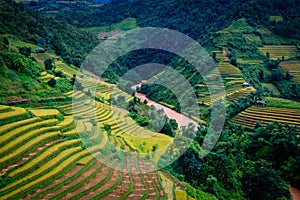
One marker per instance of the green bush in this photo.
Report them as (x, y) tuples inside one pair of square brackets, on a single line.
[(63, 85)]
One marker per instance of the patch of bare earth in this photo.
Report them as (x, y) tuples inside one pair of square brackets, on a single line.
[(115, 175), (109, 34), (138, 188), (57, 181), (148, 181), (84, 175), (3, 171), (93, 181), (153, 177), (295, 193), (123, 187)]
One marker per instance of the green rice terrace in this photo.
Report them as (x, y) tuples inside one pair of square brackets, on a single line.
[(67, 133), (43, 157)]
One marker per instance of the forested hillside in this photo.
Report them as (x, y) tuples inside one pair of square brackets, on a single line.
[(68, 134), (68, 42)]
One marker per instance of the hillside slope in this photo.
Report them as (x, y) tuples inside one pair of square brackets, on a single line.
[(68, 42)]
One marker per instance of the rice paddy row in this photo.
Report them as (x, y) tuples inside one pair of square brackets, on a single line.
[(280, 51), (232, 78), (64, 169), (293, 67), (266, 115)]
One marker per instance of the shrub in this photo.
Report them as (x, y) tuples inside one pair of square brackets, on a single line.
[(51, 82)]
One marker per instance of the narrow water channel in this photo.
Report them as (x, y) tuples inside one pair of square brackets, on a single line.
[(181, 119)]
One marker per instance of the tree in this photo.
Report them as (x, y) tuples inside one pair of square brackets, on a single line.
[(49, 63), (52, 82), (214, 56), (25, 51), (73, 79), (276, 75), (78, 85), (268, 55), (107, 128), (155, 147), (288, 76), (261, 182), (261, 75)]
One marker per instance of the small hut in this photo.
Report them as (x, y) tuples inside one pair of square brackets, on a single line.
[(261, 103), (39, 50), (246, 84)]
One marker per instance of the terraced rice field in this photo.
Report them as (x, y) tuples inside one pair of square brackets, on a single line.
[(46, 77), (242, 93), (247, 61), (126, 134), (89, 82), (43, 158), (271, 87), (67, 70), (277, 51), (266, 115), (293, 67), (232, 78)]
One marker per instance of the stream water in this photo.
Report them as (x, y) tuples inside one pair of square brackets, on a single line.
[(295, 193), (181, 119)]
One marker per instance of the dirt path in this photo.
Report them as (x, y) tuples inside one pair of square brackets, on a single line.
[(153, 177), (295, 193)]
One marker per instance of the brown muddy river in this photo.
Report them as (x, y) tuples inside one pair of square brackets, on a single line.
[(181, 119)]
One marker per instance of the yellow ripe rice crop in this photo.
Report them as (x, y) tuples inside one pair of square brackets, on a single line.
[(31, 126), (277, 51), (16, 111), (14, 125), (87, 159), (45, 167), (68, 120), (293, 67), (28, 134), (44, 155), (103, 141), (72, 132), (180, 194), (2, 107), (45, 112), (56, 170), (29, 144)]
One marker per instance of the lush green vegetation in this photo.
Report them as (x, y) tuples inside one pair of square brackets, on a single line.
[(44, 155), (69, 43), (244, 164)]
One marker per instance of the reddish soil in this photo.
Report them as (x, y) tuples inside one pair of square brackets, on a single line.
[(153, 177), (3, 171), (15, 99), (100, 176), (122, 188), (108, 34), (148, 181), (138, 188), (108, 184), (295, 193), (78, 179), (64, 177)]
